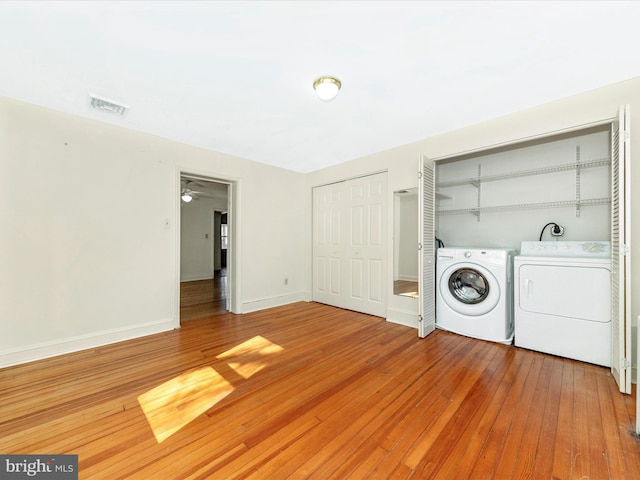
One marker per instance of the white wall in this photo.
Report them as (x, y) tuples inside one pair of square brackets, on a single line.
[(197, 236), (89, 241)]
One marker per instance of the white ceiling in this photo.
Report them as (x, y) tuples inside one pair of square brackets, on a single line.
[(236, 77)]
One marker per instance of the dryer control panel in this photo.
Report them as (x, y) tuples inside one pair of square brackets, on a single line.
[(590, 249)]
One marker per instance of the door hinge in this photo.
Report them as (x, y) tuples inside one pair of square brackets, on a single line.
[(419, 246), (626, 250), (626, 364), (420, 318), (625, 135)]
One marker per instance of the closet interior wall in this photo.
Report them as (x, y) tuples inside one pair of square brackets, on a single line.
[(504, 197)]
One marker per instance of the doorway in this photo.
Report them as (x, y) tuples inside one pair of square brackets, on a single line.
[(204, 289)]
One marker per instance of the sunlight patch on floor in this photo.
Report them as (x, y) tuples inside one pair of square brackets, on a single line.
[(409, 294), (249, 357), (172, 405), (175, 403)]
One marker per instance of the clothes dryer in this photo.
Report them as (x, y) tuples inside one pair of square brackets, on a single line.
[(475, 292), (563, 299)]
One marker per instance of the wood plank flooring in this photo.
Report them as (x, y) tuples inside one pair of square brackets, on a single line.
[(308, 391), (202, 298), (406, 288)]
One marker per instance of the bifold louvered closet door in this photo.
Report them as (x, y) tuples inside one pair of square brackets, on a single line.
[(427, 256), (620, 251)]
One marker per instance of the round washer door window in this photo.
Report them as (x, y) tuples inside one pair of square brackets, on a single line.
[(469, 286), (469, 289)]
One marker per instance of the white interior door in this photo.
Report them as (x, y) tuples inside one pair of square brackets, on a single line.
[(427, 259), (366, 253), (328, 245), (350, 244), (620, 253)]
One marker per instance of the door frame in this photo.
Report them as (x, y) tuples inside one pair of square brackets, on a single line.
[(233, 256)]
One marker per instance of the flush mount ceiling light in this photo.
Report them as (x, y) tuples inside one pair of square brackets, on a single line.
[(327, 88), (186, 195)]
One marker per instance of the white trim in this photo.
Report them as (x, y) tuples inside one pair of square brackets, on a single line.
[(178, 237), (376, 172), (63, 346), (532, 138), (196, 278), (402, 317), (277, 301), (234, 253), (408, 278)]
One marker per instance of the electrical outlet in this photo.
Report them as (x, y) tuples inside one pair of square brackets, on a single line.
[(286, 281), (557, 231)]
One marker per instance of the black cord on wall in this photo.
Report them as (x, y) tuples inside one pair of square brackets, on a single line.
[(556, 227)]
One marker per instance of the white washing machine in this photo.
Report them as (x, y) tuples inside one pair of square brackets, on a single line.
[(563, 299), (475, 292)]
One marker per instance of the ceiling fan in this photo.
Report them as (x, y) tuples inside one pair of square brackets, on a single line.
[(191, 189)]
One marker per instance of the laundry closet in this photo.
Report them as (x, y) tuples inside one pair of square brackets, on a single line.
[(559, 192)]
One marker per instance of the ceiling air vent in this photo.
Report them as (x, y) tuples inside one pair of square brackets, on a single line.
[(99, 103)]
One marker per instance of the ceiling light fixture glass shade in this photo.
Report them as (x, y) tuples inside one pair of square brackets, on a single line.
[(186, 196), (327, 88)]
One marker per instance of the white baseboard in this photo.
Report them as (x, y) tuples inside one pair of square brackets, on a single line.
[(44, 350), (257, 304), (408, 278), (195, 278), (635, 342), (402, 317)]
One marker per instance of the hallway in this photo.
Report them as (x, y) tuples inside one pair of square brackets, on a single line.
[(203, 298)]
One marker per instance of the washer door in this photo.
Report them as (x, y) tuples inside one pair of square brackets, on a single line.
[(469, 289)]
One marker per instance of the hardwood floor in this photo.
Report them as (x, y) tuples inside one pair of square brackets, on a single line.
[(308, 391), (203, 298), (406, 288)]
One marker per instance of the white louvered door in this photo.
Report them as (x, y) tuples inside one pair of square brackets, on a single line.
[(620, 254), (427, 260)]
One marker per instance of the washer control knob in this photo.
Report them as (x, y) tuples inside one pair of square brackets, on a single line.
[(467, 254)]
